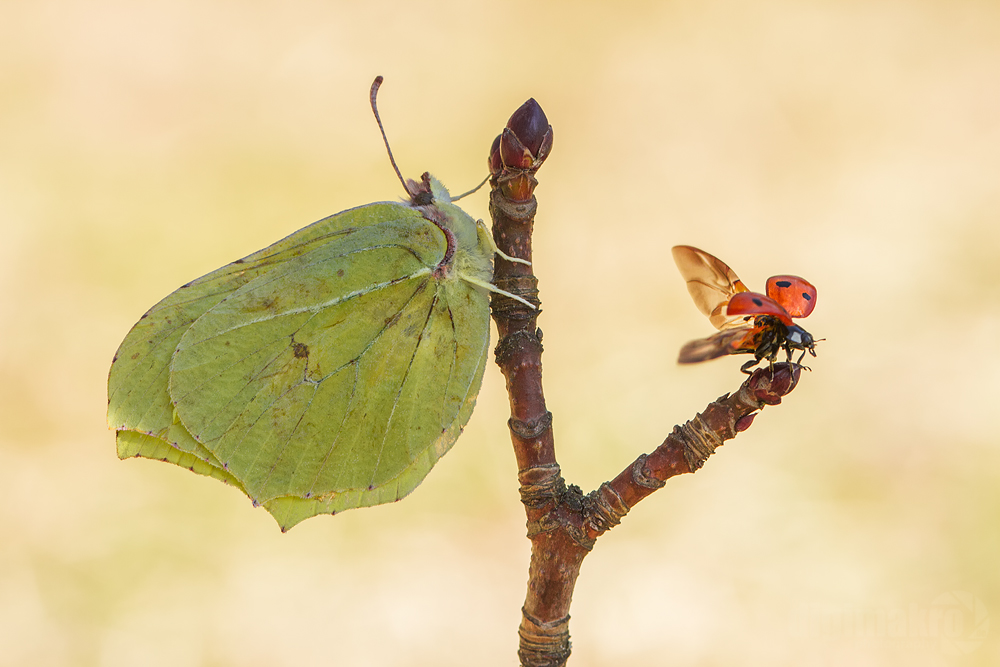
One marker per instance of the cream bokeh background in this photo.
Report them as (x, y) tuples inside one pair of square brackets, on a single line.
[(857, 144)]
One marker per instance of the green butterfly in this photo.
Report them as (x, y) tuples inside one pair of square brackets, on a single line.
[(328, 371)]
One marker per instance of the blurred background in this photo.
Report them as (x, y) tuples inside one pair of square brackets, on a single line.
[(857, 144)]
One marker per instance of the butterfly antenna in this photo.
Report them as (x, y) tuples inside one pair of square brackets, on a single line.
[(373, 95), (475, 189)]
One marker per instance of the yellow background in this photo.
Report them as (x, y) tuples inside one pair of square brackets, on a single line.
[(857, 144)]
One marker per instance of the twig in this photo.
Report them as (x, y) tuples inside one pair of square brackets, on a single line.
[(563, 524)]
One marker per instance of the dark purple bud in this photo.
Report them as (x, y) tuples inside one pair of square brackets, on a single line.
[(770, 384), (543, 151), (519, 151), (513, 152), (743, 423), (530, 125), (494, 162)]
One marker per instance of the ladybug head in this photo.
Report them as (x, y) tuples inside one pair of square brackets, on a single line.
[(800, 339)]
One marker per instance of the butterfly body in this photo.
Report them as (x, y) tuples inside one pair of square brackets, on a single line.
[(748, 322)]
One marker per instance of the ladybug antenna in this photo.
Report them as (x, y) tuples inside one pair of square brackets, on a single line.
[(475, 189), (372, 96)]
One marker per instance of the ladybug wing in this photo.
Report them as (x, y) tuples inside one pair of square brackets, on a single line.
[(728, 341), (710, 282), (751, 304), (796, 295)]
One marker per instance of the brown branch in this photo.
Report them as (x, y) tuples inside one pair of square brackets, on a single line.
[(562, 523), (688, 447)]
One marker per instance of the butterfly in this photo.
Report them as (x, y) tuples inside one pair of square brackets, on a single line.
[(328, 371), (748, 322)]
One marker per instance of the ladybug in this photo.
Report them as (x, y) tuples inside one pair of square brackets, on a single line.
[(748, 322)]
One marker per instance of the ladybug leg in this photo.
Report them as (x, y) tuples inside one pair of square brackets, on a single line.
[(788, 352), (799, 362)]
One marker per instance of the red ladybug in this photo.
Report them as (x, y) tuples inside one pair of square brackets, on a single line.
[(748, 322)]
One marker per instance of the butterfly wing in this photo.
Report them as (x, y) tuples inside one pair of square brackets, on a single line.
[(328, 371), (710, 282)]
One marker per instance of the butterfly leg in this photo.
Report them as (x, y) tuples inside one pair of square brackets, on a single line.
[(490, 287), (493, 246)]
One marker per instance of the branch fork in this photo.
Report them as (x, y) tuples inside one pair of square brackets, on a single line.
[(563, 523)]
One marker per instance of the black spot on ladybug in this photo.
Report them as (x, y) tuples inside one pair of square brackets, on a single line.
[(758, 302), (300, 350), (783, 283), (805, 295)]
